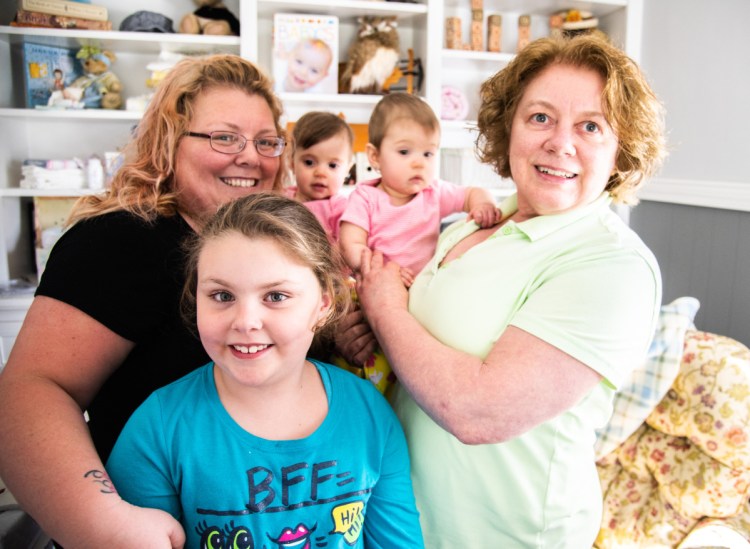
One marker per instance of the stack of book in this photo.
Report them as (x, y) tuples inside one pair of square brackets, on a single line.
[(61, 14)]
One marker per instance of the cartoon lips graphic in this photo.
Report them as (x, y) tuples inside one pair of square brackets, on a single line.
[(299, 538)]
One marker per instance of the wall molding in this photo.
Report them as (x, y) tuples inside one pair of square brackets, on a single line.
[(727, 195)]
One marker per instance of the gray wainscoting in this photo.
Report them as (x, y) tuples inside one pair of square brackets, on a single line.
[(704, 253)]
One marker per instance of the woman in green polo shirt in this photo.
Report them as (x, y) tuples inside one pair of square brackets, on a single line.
[(512, 340)]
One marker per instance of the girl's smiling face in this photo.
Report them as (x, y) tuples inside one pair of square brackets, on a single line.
[(257, 308), (562, 150)]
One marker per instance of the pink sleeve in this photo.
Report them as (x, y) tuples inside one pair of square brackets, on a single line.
[(357, 209), (338, 205), (451, 197), (328, 212)]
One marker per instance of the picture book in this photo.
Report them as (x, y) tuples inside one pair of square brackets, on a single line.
[(66, 8), (305, 53), (48, 69)]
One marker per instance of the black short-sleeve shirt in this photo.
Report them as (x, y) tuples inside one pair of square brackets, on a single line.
[(128, 275)]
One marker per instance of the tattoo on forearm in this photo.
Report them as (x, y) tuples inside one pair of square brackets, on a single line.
[(101, 478)]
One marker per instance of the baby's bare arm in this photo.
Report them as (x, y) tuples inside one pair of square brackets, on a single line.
[(481, 207), (352, 240)]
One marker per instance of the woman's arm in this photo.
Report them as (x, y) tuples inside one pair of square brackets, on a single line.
[(522, 382), (47, 459)]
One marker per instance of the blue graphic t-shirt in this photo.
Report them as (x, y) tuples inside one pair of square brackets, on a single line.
[(345, 485)]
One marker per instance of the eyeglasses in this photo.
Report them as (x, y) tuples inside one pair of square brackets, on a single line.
[(234, 143)]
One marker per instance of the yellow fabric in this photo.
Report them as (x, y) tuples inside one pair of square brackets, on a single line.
[(688, 462)]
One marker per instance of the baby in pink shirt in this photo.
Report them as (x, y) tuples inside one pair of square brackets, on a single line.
[(400, 213), (322, 156)]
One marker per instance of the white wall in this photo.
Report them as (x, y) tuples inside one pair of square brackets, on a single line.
[(696, 54)]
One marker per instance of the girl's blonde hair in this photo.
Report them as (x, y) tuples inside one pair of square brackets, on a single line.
[(630, 107), (145, 185)]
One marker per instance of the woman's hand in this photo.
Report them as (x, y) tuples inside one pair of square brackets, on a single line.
[(355, 341), (380, 287)]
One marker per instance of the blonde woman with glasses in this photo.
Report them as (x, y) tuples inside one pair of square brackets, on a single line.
[(104, 330)]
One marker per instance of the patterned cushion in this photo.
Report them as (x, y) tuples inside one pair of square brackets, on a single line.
[(709, 402), (686, 468), (691, 482), (731, 532), (634, 513), (650, 380)]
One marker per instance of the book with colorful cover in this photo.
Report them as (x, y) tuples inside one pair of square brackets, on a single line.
[(66, 8), (305, 53), (46, 20), (48, 69)]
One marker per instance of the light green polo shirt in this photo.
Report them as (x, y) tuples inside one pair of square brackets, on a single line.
[(581, 281)]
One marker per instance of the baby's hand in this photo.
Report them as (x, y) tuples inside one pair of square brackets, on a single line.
[(407, 277), (485, 214)]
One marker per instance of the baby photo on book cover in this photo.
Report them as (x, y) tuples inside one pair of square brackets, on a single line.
[(305, 53)]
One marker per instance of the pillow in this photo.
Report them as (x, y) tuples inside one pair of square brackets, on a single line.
[(709, 402), (728, 532), (650, 380)]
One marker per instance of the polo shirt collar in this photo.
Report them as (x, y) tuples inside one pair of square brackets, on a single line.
[(543, 225)]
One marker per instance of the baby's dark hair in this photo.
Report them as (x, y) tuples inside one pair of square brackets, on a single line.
[(289, 224), (316, 126)]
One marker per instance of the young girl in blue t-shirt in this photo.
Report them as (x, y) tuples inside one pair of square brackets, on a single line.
[(263, 447)]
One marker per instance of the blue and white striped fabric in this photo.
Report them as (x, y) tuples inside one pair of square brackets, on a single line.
[(651, 380)]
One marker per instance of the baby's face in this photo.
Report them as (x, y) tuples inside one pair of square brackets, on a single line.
[(320, 170), (308, 65)]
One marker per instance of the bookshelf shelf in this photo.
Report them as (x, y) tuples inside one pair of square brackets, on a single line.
[(60, 114), (342, 8), (135, 42), (460, 56), (30, 193)]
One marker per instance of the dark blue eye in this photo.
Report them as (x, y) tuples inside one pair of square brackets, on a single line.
[(272, 146), (591, 127), (540, 117), (222, 296), (225, 138), (276, 297)]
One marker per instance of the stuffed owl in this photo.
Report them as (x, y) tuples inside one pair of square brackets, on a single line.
[(372, 57)]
